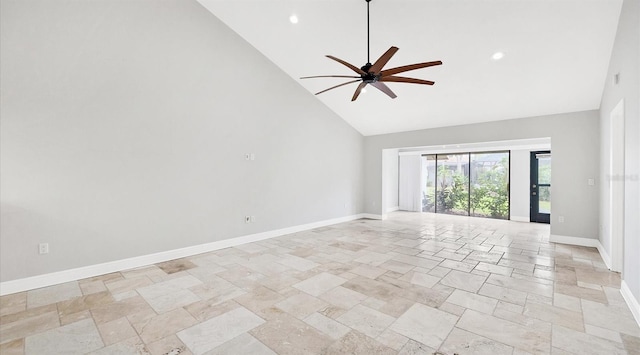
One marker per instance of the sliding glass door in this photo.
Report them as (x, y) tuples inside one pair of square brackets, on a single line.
[(429, 183), (468, 184), (490, 185), (453, 184)]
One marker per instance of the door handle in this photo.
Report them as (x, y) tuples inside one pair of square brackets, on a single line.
[(534, 186), (533, 193)]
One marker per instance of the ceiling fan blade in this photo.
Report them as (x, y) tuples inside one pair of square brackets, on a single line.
[(408, 68), (401, 79), (329, 76), (380, 63), (357, 93), (337, 86), (350, 66), (384, 88)]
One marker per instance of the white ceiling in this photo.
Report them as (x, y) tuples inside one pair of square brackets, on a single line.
[(556, 55)]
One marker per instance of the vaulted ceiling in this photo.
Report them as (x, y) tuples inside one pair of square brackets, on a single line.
[(556, 55)]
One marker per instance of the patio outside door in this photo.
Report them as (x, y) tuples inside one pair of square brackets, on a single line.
[(540, 187)]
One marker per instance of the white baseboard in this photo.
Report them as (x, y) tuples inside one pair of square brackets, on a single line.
[(393, 209), (632, 302), (584, 242), (58, 277), (520, 219)]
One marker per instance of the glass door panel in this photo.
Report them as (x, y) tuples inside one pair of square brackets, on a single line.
[(452, 190), (541, 187), (489, 188), (429, 183)]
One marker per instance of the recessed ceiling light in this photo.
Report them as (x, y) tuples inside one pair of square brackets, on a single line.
[(293, 19), (497, 55)]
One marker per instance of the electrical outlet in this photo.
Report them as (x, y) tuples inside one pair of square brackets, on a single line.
[(252, 156), (247, 156), (247, 219), (43, 248), (253, 219), (561, 219)]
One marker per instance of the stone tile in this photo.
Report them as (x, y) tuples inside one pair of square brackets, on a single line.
[(53, 294), (172, 300), (242, 344), (357, 343), (396, 266), (300, 305), (287, 335), (151, 272), (463, 281), (173, 266), (84, 303), (14, 347), (462, 342), (319, 284), (259, 299), (170, 345), (132, 345), (373, 258), (297, 263), (452, 308), (369, 271), (111, 311), (327, 325), (424, 280), (343, 297), (124, 285), (503, 294), (494, 269), (207, 309), (392, 339), (581, 343), (74, 317), (631, 343), (80, 337), (473, 301), (425, 324), (567, 302), (506, 332), (88, 288), (413, 347), (618, 318), (555, 315), (521, 285), (13, 303), (165, 287), (366, 320), (216, 331), (603, 333), (163, 325), (19, 325), (116, 331)]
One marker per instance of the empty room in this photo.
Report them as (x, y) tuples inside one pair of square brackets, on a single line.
[(319, 177)]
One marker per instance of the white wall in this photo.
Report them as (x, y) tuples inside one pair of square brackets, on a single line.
[(575, 143), (124, 129), (519, 185), (624, 60), (390, 164)]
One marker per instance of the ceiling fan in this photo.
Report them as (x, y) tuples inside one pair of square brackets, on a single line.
[(373, 73)]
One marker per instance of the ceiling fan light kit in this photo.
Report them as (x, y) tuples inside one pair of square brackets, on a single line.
[(373, 74)]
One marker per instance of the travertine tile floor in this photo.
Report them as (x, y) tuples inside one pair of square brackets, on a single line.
[(413, 284)]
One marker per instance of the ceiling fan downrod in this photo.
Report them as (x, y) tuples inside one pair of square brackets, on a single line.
[(368, 46)]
